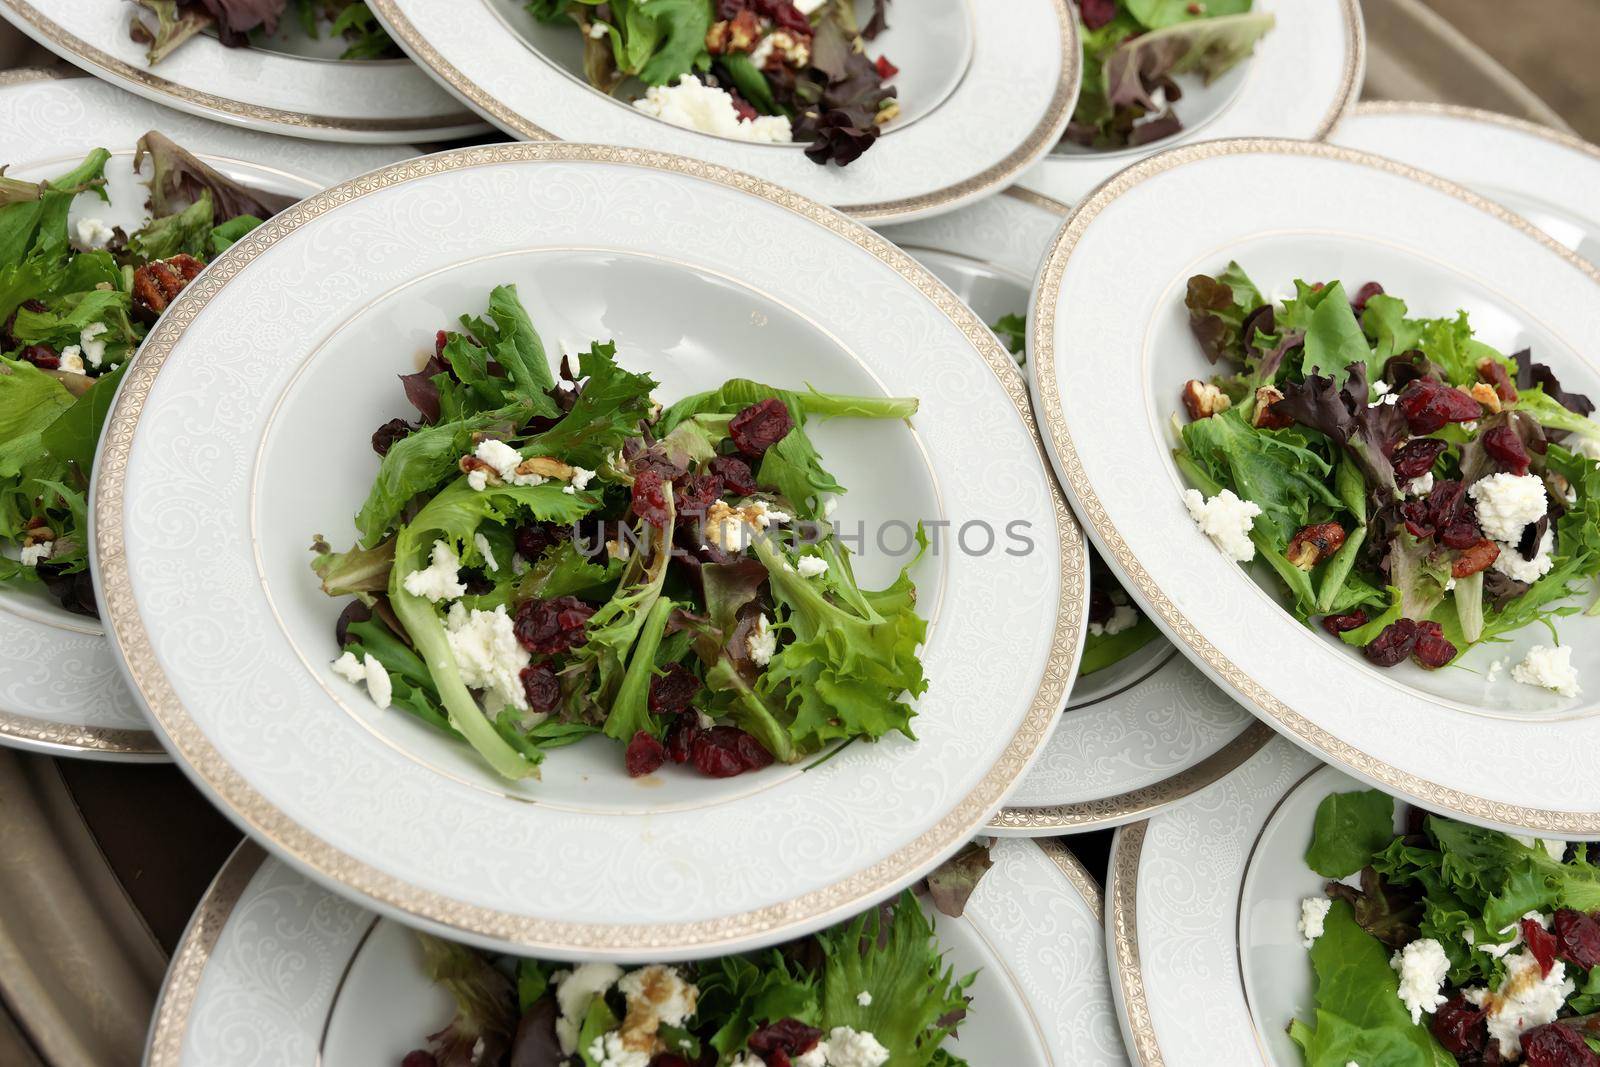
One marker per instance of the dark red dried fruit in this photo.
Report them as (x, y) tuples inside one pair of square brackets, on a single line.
[(1096, 13), (1364, 294), (790, 1036), (751, 752), (695, 497), (440, 339), (1343, 624), (542, 687), (1416, 457), (885, 69), (534, 540), (1429, 406), (735, 474), (1461, 1028), (680, 738), (1494, 372), (1445, 511), (1433, 650), (650, 498), (1394, 645), (744, 110), (784, 14), (760, 426), (714, 759), (1507, 449), (646, 754), (673, 691), (1540, 942), (385, 436), (42, 356), (1475, 558), (552, 626), (419, 1058), (1461, 536), (1578, 938), (1554, 1045)]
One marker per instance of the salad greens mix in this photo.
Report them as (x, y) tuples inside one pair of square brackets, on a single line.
[(547, 556), (1412, 487), (1134, 49), (871, 992), (763, 70), (1448, 944), (239, 23), (75, 301)]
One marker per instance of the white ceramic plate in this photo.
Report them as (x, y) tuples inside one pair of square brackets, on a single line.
[(276, 972), (60, 692), (1203, 905), (985, 89), (1144, 732), (289, 349), (1303, 77), (292, 86), (1550, 178), (1106, 384)]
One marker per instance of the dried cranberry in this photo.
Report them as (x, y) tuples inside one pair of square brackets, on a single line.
[(673, 691), (1343, 624), (735, 474), (1579, 938), (534, 540), (885, 69), (646, 754), (1364, 294), (1096, 13), (1460, 1027), (1416, 457), (542, 687), (717, 752), (1495, 373), (385, 436), (1460, 536), (1554, 1045), (551, 626), (1475, 558), (1507, 449), (419, 1058), (1542, 943), (743, 110), (1429, 406), (695, 498), (760, 426), (751, 752), (1432, 650), (1394, 645), (784, 14), (790, 1036), (650, 501), (680, 738), (42, 356), (440, 340)]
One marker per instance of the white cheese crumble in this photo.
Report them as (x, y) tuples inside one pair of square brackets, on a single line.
[(854, 1048), (350, 669), (366, 671), (1380, 387), (598, 30), (33, 555), (71, 360), (811, 566), (581, 477), (1496, 669), (1507, 503), (1549, 668), (575, 990), (1313, 913), (440, 580), (1525, 999), (1511, 564), (505, 460), (94, 349), (1226, 520), (656, 996), (93, 233), (1421, 486), (1422, 966), (695, 105), (488, 655), (1123, 617), (762, 643), (607, 1050), (482, 544), (1585, 446), (864, 999)]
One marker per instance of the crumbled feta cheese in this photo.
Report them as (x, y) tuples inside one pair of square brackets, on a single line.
[(1420, 486), (505, 460), (864, 999), (656, 996), (817, 1057), (1584, 445), (697, 106), (71, 360), (440, 580), (763, 51), (1549, 668), (598, 29), (811, 566), (575, 991), (1385, 400), (1123, 617), (1313, 913), (725, 527), (379, 687), (1470, 427), (33, 555), (581, 477), (1511, 564), (806, 7), (350, 669), (94, 349), (487, 552), (1496, 669), (1422, 966), (488, 655), (1508, 502), (478, 478), (762, 642), (607, 1050), (1525, 999), (1226, 520), (854, 1048), (1381, 387), (93, 233)]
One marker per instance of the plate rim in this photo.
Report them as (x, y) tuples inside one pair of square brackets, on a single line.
[(992, 180), (1439, 109), (299, 844), (31, 20), (180, 986), (1233, 679)]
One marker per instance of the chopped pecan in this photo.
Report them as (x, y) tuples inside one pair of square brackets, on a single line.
[(469, 463), (743, 31), (1315, 543), (717, 38), (1475, 558), (1485, 394), (157, 283), (1203, 400), (545, 467), (1264, 418)]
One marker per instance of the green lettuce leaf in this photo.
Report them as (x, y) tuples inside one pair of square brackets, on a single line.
[(1350, 829)]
